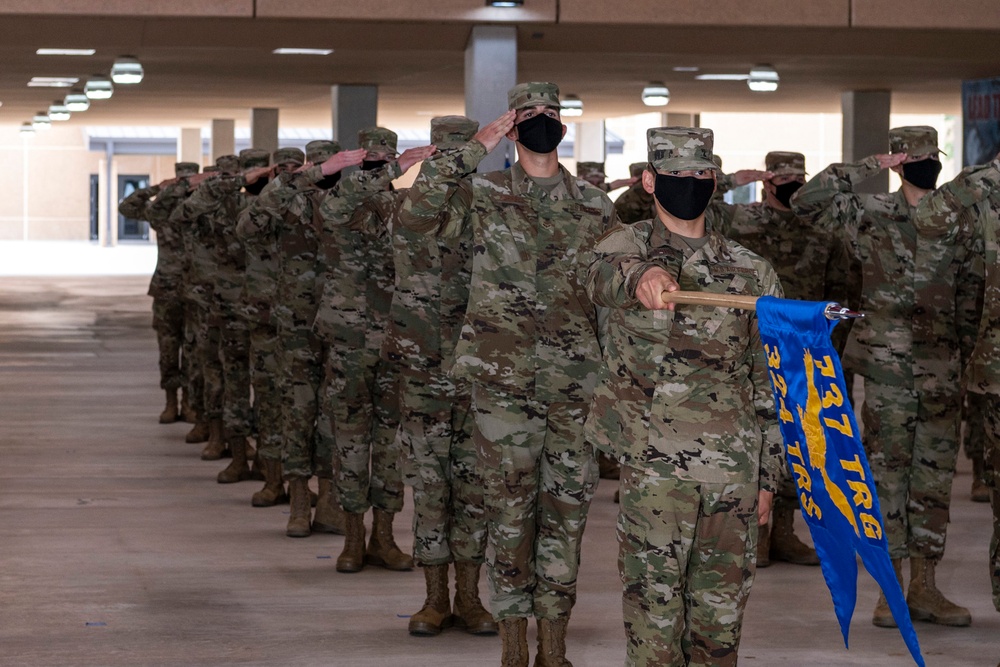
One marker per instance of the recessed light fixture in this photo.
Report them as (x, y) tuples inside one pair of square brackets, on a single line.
[(98, 88), (721, 77), (52, 81), (77, 101), (66, 52), (571, 106), (763, 79), (656, 94), (27, 129), (58, 111), (302, 52), (41, 121), (684, 68), (127, 71), (504, 3)]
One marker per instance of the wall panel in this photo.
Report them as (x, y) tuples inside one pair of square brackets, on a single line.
[(394, 10), (933, 14), (718, 13), (127, 8)]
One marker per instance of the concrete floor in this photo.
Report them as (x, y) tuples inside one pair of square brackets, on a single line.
[(119, 548)]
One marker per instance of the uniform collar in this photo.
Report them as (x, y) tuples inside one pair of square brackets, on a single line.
[(522, 185)]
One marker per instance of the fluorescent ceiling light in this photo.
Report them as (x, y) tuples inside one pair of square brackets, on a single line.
[(722, 77), (504, 3), (27, 129), (77, 101), (656, 94), (571, 106), (58, 111), (763, 79), (66, 52), (302, 52), (682, 68), (127, 71), (41, 121), (98, 88), (52, 81)]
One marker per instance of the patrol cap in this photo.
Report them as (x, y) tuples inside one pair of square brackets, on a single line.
[(915, 140), (182, 169), (321, 150), (636, 168), (680, 148), (228, 163), (452, 131), (285, 155), (210, 169), (717, 160), (532, 94), (585, 170), (254, 157), (377, 139), (785, 163)]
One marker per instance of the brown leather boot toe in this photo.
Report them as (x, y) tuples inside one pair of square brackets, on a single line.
[(170, 412), (435, 615), (352, 558), (470, 615), (329, 517), (382, 550), (299, 516)]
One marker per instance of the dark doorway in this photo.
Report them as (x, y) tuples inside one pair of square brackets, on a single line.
[(129, 229), (94, 232)]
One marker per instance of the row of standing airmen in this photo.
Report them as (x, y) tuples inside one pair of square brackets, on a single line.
[(446, 337)]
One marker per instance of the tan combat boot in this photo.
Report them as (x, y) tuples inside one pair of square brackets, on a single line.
[(382, 550), (256, 464), (514, 642), (216, 445), (764, 546), (926, 602), (785, 545), (273, 492), (298, 517), (352, 558), (188, 414), (198, 433), (329, 517), (238, 470), (469, 611), (170, 412), (980, 492), (435, 615), (882, 616), (552, 643)]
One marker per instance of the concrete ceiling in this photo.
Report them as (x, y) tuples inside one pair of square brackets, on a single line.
[(198, 69)]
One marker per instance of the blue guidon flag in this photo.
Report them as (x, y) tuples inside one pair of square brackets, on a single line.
[(824, 452)]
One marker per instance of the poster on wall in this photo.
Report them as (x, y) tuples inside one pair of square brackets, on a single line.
[(980, 120)]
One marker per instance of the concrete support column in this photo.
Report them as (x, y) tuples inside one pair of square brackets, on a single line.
[(107, 199), (264, 129), (680, 119), (353, 108), (490, 71), (189, 145), (223, 138), (866, 131), (589, 145)]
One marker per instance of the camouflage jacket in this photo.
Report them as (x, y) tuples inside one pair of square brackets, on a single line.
[(155, 206), (260, 280), (684, 393), (902, 304), (529, 328), (285, 217), (635, 204), (973, 197), (357, 251)]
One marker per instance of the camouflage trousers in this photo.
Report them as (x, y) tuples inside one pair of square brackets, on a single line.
[(912, 444), (303, 453), (168, 322), (194, 379), (234, 344), (208, 341), (991, 457), (539, 476), (686, 556), (974, 431), (362, 402), (265, 380), (439, 463)]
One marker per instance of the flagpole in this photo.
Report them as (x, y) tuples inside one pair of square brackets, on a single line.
[(834, 311)]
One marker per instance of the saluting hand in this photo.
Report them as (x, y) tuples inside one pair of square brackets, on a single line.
[(491, 135), (411, 156), (342, 160), (197, 179), (651, 286), (744, 176), (167, 183), (256, 174), (889, 160)]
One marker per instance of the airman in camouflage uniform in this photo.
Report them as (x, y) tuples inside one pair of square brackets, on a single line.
[(809, 268), (435, 430), (920, 298), (973, 197), (635, 204), (168, 307), (361, 394), (593, 173), (529, 346), (286, 216), (690, 500)]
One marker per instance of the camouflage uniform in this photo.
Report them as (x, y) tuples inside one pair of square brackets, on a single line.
[(593, 173), (529, 346), (907, 347), (687, 523), (973, 197), (635, 204)]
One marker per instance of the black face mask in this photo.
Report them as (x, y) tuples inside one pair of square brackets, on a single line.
[(257, 186), (328, 182), (783, 193), (923, 173), (684, 197), (540, 134), (368, 165)]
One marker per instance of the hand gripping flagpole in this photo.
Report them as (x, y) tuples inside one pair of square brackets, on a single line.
[(834, 311)]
